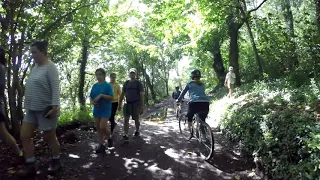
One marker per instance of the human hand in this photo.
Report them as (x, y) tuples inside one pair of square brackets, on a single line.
[(53, 113), (95, 101)]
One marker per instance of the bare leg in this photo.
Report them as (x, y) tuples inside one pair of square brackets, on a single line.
[(126, 125), (104, 130), (6, 136), (230, 90), (26, 134), (100, 134), (53, 142)]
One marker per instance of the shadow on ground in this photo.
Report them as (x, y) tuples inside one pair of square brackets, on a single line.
[(160, 153)]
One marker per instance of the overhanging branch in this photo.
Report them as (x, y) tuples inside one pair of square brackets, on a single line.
[(250, 11), (55, 23)]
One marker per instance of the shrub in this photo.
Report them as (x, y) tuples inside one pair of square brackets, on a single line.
[(69, 115), (276, 121)]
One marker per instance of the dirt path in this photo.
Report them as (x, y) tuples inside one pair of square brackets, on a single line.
[(160, 153)]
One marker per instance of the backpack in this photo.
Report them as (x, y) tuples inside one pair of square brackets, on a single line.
[(137, 86)]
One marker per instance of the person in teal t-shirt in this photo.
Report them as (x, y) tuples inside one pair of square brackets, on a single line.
[(101, 96), (199, 101)]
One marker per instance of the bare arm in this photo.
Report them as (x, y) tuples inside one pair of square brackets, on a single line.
[(185, 90), (225, 79), (54, 81), (119, 91), (106, 97), (121, 98), (108, 93)]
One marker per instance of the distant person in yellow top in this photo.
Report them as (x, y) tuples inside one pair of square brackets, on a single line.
[(116, 94)]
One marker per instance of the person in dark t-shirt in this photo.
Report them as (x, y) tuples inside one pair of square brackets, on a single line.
[(175, 96), (133, 93)]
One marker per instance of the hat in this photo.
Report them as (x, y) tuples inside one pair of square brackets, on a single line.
[(133, 70), (230, 68)]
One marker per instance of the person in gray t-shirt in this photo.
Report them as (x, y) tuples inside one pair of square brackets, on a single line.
[(133, 91), (4, 134), (42, 101)]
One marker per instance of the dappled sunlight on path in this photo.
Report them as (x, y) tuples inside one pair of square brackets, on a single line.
[(218, 109), (160, 153)]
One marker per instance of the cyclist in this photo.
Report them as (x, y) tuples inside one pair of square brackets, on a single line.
[(198, 100), (175, 96)]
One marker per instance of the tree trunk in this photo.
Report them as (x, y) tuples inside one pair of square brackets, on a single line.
[(19, 83), (82, 74), (167, 81), (14, 66), (246, 19), (318, 14), (6, 114), (146, 89), (148, 82), (233, 31), (12, 93), (146, 96), (167, 86), (178, 74), (218, 65), (4, 39), (255, 50), (293, 61)]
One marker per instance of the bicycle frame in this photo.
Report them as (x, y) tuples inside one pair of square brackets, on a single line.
[(199, 122), (201, 131)]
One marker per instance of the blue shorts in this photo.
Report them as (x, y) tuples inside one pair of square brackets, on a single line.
[(100, 112), (44, 124)]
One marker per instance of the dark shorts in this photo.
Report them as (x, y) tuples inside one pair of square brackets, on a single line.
[(132, 109), (198, 107), (2, 112)]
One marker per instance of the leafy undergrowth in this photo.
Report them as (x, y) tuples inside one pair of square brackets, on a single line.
[(275, 122)]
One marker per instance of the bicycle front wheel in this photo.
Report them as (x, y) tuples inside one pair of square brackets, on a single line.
[(183, 126), (206, 140)]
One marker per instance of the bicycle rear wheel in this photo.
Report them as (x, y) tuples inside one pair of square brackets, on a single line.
[(177, 113), (183, 126), (206, 140)]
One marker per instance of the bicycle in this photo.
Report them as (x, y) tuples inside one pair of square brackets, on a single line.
[(202, 133)]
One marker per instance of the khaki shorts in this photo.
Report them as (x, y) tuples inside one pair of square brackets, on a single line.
[(132, 109), (230, 86)]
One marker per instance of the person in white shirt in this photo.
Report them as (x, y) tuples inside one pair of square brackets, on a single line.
[(230, 80)]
